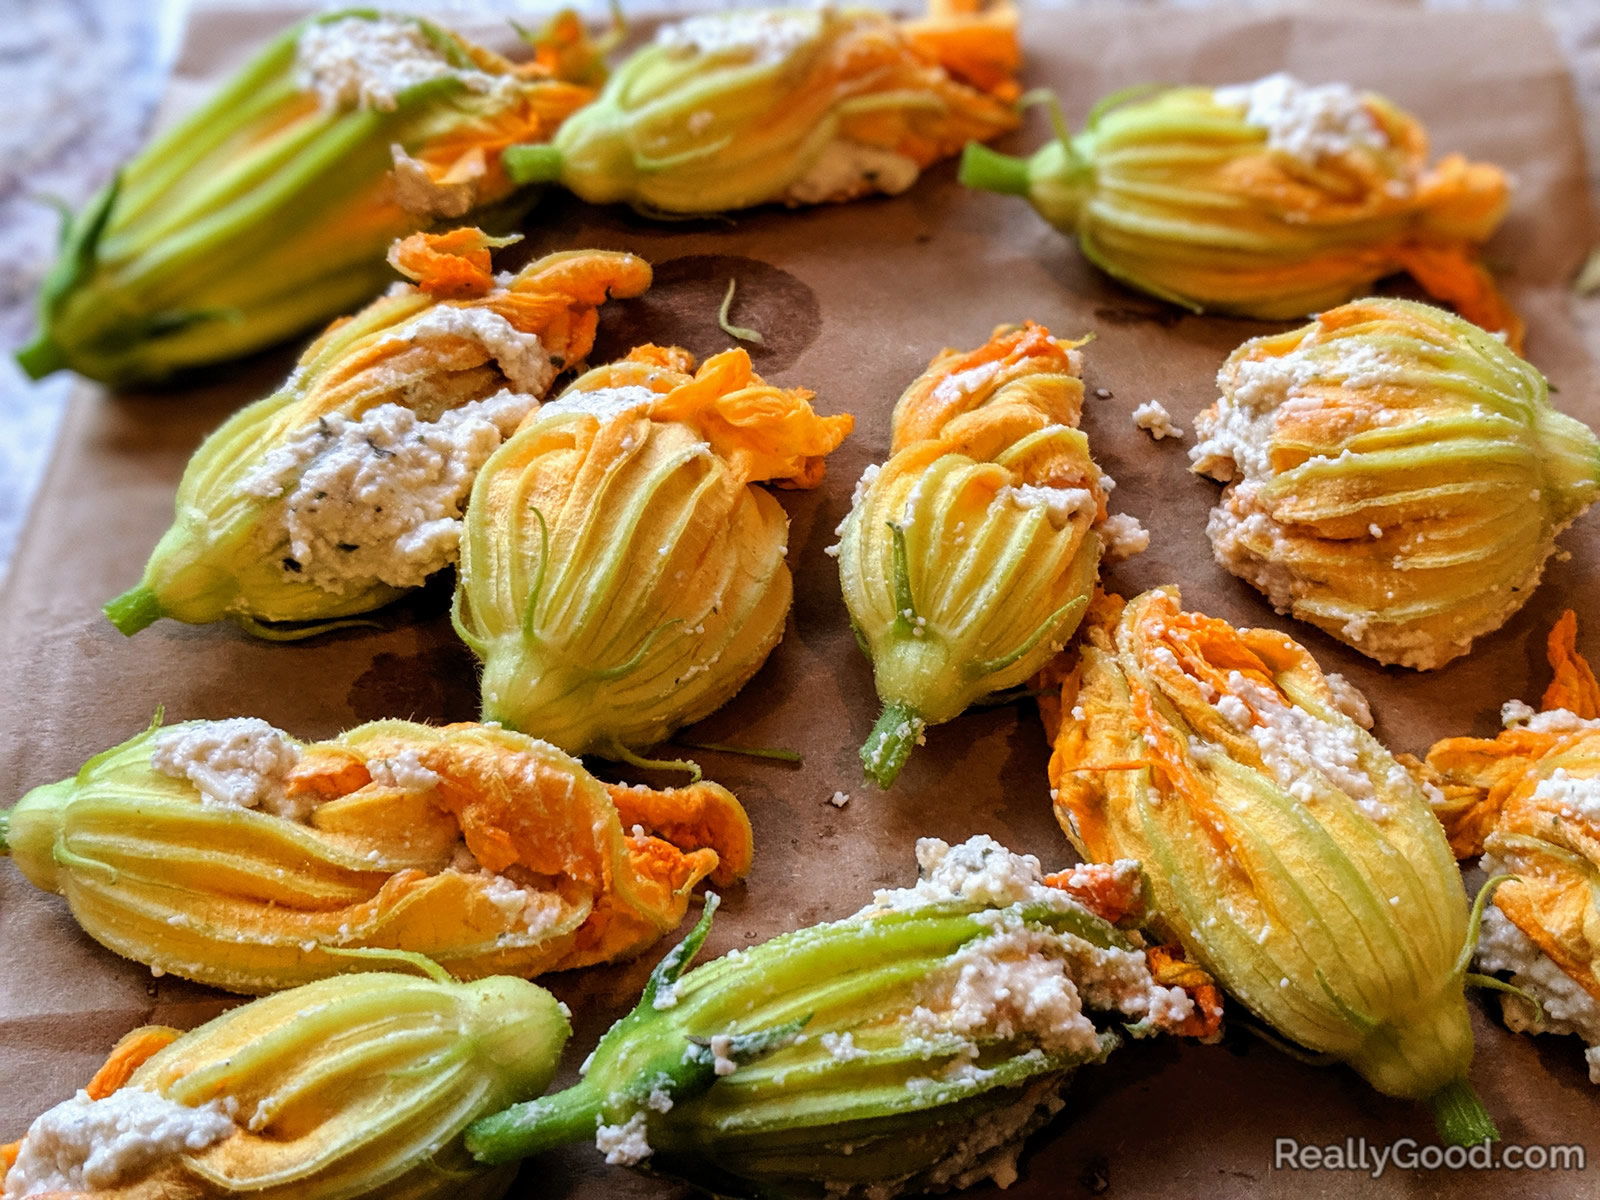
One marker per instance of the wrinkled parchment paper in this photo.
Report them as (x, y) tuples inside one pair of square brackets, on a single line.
[(853, 300)]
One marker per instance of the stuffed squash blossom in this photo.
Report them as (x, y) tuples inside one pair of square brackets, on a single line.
[(1396, 477), (1287, 851), (785, 105), (230, 853), (966, 560), (909, 1048), (357, 1086), (1274, 199), (267, 210), (1529, 802), (344, 488), (620, 574)]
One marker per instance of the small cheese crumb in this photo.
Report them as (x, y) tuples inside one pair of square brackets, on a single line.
[(623, 1145), (1122, 536), (721, 1044), (839, 799), (1153, 418)]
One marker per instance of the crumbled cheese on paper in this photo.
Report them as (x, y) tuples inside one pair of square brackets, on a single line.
[(1153, 417)]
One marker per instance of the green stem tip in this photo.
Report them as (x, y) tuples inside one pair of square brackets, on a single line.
[(890, 743), (5, 833), (134, 609), (1460, 1117), (532, 164), (41, 356), (992, 171)]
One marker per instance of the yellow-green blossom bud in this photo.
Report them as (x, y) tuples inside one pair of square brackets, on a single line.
[(357, 1086), (268, 209), (620, 576), (344, 488), (967, 559), (796, 106), (909, 1048), (1273, 199), (1396, 476)]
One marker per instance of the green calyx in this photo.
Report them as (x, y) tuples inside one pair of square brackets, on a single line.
[(532, 164), (136, 609), (897, 732)]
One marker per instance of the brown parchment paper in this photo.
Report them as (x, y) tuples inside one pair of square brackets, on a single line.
[(854, 300)]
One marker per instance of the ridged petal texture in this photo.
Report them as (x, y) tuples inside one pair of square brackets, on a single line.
[(357, 1086), (797, 106), (620, 577), (344, 488), (1529, 802), (1287, 851), (229, 853), (1396, 477), (908, 1048), (1272, 200), (967, 559), (267, 210)]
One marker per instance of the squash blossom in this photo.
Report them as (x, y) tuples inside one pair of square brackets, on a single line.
[(344, 488), (1396, 477), (908, 1048), (1273, 199), (230, 853), (1529, 802), (620, 577), (268, 209), (785, 105), (357, 1086), (966, 560), (1287, 851)]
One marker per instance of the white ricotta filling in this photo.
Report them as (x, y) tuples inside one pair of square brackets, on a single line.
[(241, 762), (1303, 751), (416, 191), (85, 1145), (1059, 505), (1555, 720), (954, 388), (623, 1145), (1153, 417), (1122, 535), (1568, 1006), (381, 498), (846, 169), (1351, 700), (1574, 796), (758, 35), (604, 404), (1302, 121), (403, 771), (354, 62)]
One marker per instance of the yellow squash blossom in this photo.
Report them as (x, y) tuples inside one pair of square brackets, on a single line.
[(1396, 476), (344, 488), (620, 576), (229, 853), (357, 1086), (1529, 801), (267, 210), (966, 560), (785, 105), (1287, 851), (1273, 199)]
